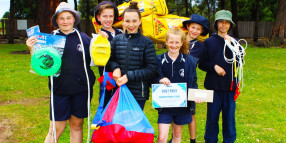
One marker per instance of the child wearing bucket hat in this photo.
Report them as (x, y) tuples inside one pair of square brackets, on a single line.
[(70, 89), (106, 14), (218, 78)]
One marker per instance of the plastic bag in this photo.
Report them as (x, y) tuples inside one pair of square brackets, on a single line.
[(123, 121), (47, 52), (99, 50)]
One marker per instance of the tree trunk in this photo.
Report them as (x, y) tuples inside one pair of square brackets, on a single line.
[(46, 10), (187, 8), (75, 4), (88, 20), (12, 23), (234, 18), (255, 36), (222, 4), (278, 30), (209, 16)]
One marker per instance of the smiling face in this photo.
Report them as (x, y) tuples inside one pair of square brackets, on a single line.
[(106, 18), (195, 30), (131, 22), (223, 26), (65, 21), (174, 43)]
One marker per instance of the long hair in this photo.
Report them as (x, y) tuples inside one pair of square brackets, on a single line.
[(180, 32)]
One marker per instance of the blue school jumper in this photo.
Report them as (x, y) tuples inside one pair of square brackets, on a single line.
[(223, 97), (70, 88), (181, 70), (195, 48)]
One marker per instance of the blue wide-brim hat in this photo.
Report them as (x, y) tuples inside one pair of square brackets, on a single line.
[(195, 18), (106, 2)]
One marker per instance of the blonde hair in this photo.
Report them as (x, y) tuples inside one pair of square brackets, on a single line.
[(177, 31)]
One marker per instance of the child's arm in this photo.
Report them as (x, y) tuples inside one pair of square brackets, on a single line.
[(204, 63), (112, 64)]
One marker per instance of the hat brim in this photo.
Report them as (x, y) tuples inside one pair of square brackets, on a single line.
[(206, 30), (75, 13)]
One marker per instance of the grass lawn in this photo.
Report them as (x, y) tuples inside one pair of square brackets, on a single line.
[(260, 108)]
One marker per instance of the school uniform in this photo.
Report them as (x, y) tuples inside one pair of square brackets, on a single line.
[(70, 87), (183, 69), (108, 94), (195, 50), (212, 55)]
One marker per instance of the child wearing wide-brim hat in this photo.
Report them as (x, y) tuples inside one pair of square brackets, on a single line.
[(197, 25), (70, 88), (219, 78)]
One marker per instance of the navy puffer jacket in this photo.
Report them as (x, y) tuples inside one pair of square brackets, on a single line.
[(135, 55)]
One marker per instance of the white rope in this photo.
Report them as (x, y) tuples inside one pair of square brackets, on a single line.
[(54, 134), (238, 52), (88, 85)]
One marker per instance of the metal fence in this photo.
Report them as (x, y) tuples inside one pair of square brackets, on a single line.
[(245, 28)]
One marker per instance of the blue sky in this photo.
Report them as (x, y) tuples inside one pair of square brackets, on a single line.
[(5, 6)]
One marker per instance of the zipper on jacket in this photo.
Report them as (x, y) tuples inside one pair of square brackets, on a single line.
[(142, 88), (127, 53)]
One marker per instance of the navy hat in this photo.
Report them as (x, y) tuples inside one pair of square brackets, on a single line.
[(106, 2), (195, 18)]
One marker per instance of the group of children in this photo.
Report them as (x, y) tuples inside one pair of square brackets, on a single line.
[(133, 62)]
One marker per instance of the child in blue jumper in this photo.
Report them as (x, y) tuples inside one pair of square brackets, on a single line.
[(106, 14), (218, 78), (70, 88), (175, 66), (196, 25)]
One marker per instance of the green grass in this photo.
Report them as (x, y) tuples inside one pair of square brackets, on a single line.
[(260, 112)]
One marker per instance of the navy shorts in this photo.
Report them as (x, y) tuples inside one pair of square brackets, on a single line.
[(192, 106), (178, 118), (65, 106)]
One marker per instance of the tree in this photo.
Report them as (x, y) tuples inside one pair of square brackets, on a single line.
[(234, 18), (6, 14), (255, 36), (12, 23), (46, 10), (278, 30), (222, 4)]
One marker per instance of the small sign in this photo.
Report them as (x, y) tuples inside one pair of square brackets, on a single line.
[(174, 95), (21, 24), (204, 95)]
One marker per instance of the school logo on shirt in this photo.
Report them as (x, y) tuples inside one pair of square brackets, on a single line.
[(79, 48), (181, 72)]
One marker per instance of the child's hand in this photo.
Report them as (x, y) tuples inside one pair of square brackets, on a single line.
[(102, 33), (227, 37), (165, 81), (31, 42), (122, 80), (116, 74), (198, 100), (219, 70)]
